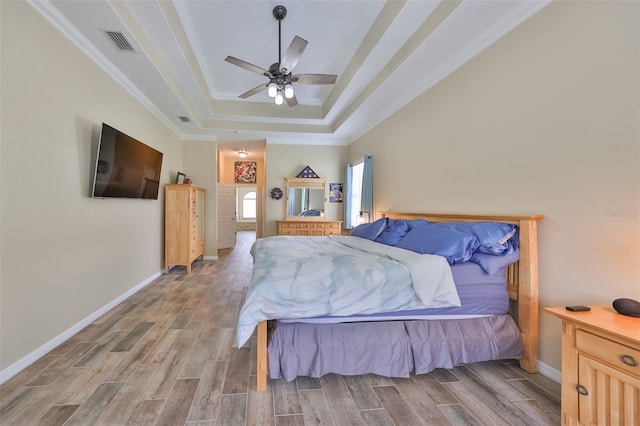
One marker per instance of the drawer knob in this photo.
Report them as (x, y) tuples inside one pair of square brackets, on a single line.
[(582, 390), (629, 360)]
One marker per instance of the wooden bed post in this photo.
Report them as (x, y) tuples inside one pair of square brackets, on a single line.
[(262, 366), (528, 293)]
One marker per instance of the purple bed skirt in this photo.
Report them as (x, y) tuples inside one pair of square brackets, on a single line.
[(389, 348)]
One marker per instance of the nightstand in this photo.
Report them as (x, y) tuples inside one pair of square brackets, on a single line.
[(600, 367)]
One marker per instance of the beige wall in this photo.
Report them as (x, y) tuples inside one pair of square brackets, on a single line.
[(65, 255), (544, 121), (200, 164), (287, 161)]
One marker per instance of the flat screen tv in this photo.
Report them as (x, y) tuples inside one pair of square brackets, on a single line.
[(125, 167)]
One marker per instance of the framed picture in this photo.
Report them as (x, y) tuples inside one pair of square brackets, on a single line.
[(180, 177), (245, 172), (335, 192)]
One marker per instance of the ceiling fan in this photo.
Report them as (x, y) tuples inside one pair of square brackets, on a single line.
[(280, 84)]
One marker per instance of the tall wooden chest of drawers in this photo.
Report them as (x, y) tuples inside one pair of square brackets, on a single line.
[(183, 224)]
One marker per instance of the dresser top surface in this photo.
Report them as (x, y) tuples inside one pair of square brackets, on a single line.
[(603, 318), (308, 220)]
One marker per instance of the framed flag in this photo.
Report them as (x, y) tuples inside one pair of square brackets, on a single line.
[(245, 172), (307, 172)]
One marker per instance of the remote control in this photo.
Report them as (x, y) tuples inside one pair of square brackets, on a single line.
[(578, 308)]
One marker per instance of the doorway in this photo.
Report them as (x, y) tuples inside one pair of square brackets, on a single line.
[(226, 206), (244, 204), (246, 208), (237, 212)]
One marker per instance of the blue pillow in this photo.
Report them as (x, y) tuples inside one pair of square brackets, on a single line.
[(393, 233), (370, 231), (441, 239), (494, 237), (492, 263), (414, 222)]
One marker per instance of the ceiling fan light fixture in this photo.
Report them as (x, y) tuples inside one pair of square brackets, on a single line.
[(288, 91), (279, 99), (272, 90), (280, 85)]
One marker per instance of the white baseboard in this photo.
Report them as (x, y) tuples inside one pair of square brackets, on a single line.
[(550, 372), (26, 361), (210, 257)]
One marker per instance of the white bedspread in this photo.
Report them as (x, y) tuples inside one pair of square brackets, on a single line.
[(302, 277)]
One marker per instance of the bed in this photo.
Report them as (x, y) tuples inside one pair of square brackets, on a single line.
[(416, 342)]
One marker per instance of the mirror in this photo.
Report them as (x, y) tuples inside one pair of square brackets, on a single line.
[(306, 202), (305, 198)]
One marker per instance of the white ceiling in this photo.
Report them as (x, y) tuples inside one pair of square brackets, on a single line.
[(385, 53)]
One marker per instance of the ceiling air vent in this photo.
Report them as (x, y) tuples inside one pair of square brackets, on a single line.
[(184, 119), (120, 41)]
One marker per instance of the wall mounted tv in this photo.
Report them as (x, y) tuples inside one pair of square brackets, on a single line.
[(125, 167)]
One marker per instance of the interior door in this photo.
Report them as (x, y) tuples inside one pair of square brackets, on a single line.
[(226, 202)]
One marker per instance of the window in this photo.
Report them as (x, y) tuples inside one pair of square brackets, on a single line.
[(249, 205), (356, 192)]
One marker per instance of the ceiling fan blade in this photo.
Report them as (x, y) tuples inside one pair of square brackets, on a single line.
[(314, 78), (247, 66), (292, 55), (253, 91), (292, 101)]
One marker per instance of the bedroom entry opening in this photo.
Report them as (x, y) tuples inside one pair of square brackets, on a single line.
[(237, 207), (246, 208)]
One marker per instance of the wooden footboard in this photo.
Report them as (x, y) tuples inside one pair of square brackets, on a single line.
[(522, 281)]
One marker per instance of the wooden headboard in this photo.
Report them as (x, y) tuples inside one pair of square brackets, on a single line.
[(522, 276)]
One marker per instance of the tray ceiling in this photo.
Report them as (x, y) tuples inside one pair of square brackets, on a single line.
[(385, 53)]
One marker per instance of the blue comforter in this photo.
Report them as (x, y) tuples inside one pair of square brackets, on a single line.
[(302, 277)]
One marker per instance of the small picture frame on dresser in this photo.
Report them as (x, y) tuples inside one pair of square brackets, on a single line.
[(180, 177)]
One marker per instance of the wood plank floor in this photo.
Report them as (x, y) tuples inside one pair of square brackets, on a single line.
[(166, 356)]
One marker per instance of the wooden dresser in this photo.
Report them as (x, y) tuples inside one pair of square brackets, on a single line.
[(309, 227), (600, 367), (183, 224)]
